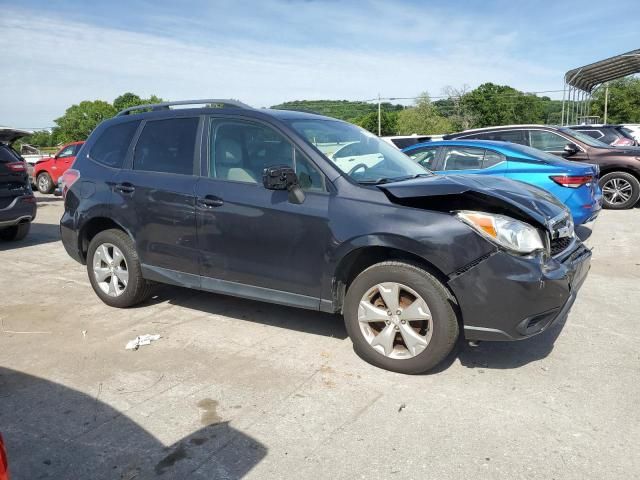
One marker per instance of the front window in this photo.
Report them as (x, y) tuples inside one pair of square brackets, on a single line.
[(359, 154), (425, 156), (547, 141)]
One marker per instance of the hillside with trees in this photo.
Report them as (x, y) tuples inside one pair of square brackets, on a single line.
[(456, 109)]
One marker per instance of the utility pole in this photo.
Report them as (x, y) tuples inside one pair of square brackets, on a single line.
[(379, 118), (606, 102)]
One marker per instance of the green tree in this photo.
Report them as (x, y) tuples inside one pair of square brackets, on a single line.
[(79, 120), (388, 122), (423, 119), (126, 100), (624, 101)]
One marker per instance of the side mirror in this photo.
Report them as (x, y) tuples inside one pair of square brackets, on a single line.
[(283, 177), (571, 149)]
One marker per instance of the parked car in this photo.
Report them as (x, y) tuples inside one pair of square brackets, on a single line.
[(47, 171), (634, 128), (243, 202), (574, 184), (4, 464), (616, 135), (619, 167), (404, 141), (17, 203)]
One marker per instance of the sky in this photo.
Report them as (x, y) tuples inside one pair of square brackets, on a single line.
[(58, 53)]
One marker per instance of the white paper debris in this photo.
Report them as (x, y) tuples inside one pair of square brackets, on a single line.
[(141, 340)]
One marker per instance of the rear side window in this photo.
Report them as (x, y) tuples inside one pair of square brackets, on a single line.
[(167, 146), (112, 145), (461, 158), (513, 136), (7, 154)]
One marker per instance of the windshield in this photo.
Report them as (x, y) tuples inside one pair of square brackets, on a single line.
[(584, 138), (359, 154)]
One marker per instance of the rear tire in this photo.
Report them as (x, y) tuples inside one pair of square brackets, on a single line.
[(620, 190), (15, 233), (115, 273), (434, 338), (44, 183)]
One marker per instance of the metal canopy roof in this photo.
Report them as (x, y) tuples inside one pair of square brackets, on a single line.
[(590, 76)]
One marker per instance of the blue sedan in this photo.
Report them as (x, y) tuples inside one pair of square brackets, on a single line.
[(575, 184)]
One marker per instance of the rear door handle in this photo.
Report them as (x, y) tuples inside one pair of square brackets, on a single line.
[(125, 188), (210, 201)]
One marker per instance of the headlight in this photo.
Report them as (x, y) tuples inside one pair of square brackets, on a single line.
[(505, 231)]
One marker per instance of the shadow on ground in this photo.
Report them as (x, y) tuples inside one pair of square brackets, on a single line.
[(52, 431), (40, 233), (307, 321)]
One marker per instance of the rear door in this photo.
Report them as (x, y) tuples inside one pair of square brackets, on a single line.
[(253, 237), (154, 197)]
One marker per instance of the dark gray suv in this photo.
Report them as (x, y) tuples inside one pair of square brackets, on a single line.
[(311, 212)]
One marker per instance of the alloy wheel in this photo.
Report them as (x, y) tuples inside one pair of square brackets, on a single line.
[(395, 320), (110, 269), (617, 191)]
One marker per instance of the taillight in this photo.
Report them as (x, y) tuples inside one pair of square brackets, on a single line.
[(572, 181), (69, 177), (17, 166)]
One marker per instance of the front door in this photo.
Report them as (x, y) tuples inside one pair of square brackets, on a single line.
[(554, 143), (253, 241), (155, 197)]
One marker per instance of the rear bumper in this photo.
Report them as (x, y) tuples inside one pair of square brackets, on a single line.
[(22, 209), (512, 298), (70, 239)]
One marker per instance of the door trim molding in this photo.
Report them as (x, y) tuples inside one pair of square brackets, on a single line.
[(234, 289)]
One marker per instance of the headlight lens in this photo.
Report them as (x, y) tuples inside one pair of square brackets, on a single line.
[(505, 231)]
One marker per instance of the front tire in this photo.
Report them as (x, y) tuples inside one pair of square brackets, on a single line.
[(15, 233), (400, 318), (44, 183), (114, 270), (620, 190)]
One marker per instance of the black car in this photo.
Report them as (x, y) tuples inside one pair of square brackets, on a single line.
[(17, 203), (247, 202), (619, 167), (616, 135)]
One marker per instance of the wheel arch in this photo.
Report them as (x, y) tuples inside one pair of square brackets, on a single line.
[(94, 226), (617, 168), (359, 259)]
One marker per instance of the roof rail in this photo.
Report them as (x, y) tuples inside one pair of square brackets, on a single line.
[(165, 105)]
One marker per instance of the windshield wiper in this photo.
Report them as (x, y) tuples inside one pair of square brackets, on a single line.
[(381, 180)]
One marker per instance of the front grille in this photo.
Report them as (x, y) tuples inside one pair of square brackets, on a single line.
[(559, 245)]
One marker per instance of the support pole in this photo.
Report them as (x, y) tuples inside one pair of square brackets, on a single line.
[(606, 103), (379, 118), (564, 91)]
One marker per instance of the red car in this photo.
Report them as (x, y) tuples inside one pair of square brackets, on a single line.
[(4, 468), (47, 171)]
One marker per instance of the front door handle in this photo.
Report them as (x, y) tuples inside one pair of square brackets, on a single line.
[(210, 201), (125, 188)]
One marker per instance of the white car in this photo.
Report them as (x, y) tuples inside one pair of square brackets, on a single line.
[(634, 129), (404, 141)]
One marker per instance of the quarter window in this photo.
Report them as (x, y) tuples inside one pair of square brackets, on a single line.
[(547, 141), (112, 145), (240, 151), (167, 146)]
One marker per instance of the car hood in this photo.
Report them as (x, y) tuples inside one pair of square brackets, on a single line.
[(9, 135), (531, 201)]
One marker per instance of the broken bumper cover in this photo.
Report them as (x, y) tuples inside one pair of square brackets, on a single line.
[(507, 297)]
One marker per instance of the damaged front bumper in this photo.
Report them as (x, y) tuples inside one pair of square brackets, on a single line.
[(507, 297)]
